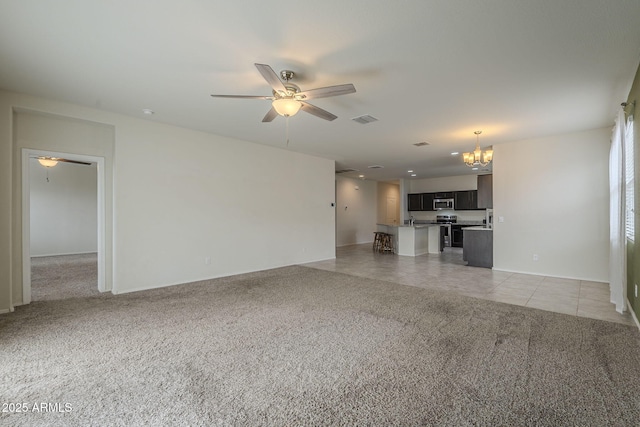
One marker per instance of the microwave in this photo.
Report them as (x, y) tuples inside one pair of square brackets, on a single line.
[(440, 204)]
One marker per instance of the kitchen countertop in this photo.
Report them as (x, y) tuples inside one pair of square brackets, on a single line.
[(463, 223), (416, 225)]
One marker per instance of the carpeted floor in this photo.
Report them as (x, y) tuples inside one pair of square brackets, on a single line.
[(63, 277), (300, 346)]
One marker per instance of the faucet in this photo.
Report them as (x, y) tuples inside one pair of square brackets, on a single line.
[(411, 220)]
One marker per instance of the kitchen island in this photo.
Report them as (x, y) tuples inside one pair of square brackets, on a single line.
[(414, 240)]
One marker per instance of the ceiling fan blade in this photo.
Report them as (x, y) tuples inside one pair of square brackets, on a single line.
[(243, 96), (74, 161), (271, 114), (59, 159), (271, 77), (316, 111), (325, 92)]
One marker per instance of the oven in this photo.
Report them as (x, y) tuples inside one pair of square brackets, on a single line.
[(446, 235)]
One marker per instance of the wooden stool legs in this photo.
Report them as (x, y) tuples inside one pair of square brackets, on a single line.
[(382, 242)]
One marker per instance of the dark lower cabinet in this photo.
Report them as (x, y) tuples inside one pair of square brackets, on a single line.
[(478, 248), (457, 236)]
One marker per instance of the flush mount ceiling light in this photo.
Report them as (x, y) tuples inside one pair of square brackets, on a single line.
[(47, 162), (478, 157)]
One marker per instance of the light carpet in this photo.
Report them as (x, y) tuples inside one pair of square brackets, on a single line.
[(300, 346)]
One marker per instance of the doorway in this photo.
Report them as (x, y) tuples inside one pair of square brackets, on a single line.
[(99, 238)]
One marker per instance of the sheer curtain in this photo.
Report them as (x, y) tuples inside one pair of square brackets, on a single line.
[(617, 252)]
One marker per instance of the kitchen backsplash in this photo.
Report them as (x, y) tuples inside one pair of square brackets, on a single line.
[(462, 215)]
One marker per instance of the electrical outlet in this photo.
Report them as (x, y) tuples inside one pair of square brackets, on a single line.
[(207, 260), (500, 219), (636, 289), (535, 257)]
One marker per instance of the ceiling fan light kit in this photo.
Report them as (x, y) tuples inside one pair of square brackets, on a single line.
[(47, 162), (286, 106), (477, 157)]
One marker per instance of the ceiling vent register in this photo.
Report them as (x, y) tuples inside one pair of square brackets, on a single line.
[(347, 170), (363, 120)]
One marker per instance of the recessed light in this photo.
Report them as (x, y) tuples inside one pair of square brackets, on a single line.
[(360, 176), (410, 171), (474, 169), (413, 174), (148, 112), (455, 153)]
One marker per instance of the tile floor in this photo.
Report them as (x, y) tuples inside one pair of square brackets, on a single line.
[(447, 271)]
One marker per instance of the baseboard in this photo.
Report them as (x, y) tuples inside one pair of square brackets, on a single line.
[(354, 244), (207, 278), (6, 310), (633, 313), (548, 275), (65, 254)]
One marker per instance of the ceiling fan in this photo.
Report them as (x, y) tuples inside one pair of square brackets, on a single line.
[(287, 97), (49, 162)]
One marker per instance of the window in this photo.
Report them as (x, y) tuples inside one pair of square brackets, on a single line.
[(629, 180)]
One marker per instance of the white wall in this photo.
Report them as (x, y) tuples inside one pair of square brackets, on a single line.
[(63, 209), (449, 183), (553, 195), (356, 210), (181, 197)]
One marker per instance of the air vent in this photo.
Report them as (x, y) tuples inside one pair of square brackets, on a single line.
[(421, 144), (375, 167), (346, 170), (363, 120)]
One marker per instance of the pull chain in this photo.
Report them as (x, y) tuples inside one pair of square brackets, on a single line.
[(287, 126)]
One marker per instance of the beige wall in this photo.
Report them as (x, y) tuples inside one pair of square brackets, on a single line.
[(178, 197), (553, 194)]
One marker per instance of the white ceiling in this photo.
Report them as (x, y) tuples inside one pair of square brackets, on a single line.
[(429, 70)]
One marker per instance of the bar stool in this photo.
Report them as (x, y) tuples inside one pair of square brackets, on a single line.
[(387, 243), (378, 237)]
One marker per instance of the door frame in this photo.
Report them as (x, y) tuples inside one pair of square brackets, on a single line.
[(27, 153)]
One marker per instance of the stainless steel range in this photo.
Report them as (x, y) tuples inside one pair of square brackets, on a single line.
[(445, 230)]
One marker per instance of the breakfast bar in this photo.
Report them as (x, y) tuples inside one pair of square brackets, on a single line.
[(413, 240)]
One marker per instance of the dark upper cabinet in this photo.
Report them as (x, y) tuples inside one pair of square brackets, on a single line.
[(427, 201), (485, 191), (414, 202), (465, 200), (443, 195), (420, 202)]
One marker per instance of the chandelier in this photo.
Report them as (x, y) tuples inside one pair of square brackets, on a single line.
[(478, 157)]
